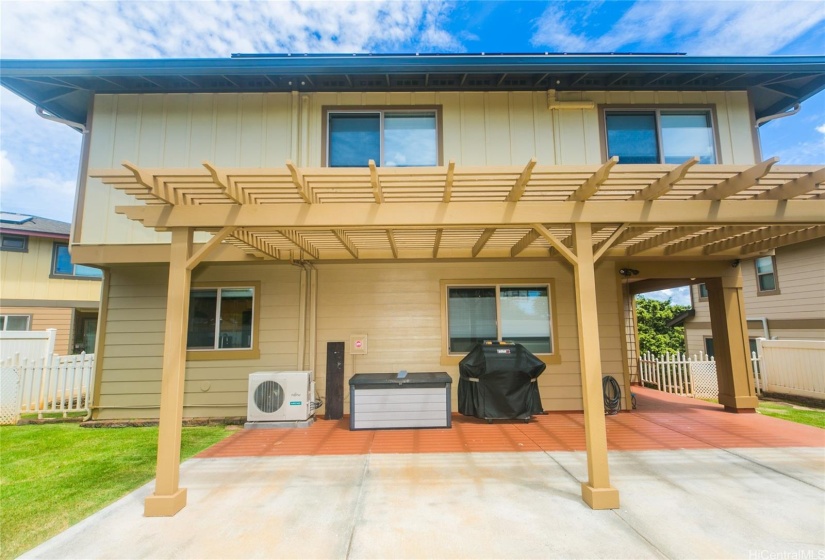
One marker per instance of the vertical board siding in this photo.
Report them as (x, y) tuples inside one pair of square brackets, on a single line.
[(26, 276), (256, 130)]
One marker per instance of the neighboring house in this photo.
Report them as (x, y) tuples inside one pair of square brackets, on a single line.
[(40, 287), (784, 298), (250, 210)]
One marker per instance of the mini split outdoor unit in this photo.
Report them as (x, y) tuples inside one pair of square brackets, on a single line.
[(280, 396)]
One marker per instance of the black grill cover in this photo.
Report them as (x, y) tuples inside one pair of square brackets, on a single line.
[(504, 388)]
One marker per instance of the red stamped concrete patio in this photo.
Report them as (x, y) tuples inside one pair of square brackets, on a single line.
[(661, 422)]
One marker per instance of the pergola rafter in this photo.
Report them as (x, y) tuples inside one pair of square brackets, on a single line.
[(663, 210)]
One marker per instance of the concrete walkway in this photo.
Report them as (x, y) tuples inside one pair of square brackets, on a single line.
[(750, 503)]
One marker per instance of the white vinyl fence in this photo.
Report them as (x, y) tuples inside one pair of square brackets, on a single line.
[(57, 384), (794, 367), (27, 344), (691, 377)]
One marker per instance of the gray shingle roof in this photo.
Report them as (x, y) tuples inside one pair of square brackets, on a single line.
[(26, 223)]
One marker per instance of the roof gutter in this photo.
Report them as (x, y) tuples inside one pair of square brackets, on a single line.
[(41, 112), (762, 120)]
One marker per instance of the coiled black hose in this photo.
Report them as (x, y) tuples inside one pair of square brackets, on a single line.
[(612, 395)]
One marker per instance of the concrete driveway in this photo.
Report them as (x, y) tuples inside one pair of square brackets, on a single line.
[(755, 503)]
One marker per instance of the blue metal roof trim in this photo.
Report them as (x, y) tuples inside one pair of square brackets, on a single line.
[(65, 87)]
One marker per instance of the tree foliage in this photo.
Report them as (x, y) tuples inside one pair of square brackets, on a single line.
[(654, 335)]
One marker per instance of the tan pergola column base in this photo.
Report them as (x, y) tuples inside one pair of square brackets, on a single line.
[(730, 334), (165, 506), (600, 498)]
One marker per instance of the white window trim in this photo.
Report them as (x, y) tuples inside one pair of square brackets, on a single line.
[(6, 321)]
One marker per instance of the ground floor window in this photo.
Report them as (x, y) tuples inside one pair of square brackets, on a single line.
[(15, 322), (221, 318), (709, 346), (513, 313)]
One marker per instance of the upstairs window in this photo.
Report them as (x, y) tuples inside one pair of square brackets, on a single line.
[(391, 138), (659, 136), (18, 243), (766, 276), (62, 265), (703, 292)]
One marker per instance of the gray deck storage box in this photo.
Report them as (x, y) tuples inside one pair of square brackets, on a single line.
[(382, 400)]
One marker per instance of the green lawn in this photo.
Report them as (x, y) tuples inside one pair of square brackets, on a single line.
[(811, 417), (54, 475)]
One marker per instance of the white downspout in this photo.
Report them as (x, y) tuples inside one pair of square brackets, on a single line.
[(765, 329), (762, 120)]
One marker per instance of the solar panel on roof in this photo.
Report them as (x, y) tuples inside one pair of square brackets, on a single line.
[(14, 218)]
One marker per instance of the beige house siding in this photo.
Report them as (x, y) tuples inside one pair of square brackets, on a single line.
[(397, 305), (25, 276), (796, 312), (267, 129)]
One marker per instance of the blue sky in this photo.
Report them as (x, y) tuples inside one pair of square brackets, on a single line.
[(38, 159)]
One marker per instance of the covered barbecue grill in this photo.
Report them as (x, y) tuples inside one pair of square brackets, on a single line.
[(498, 380)]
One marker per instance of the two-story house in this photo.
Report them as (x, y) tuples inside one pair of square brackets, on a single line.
[(41, 288), (250, 210)]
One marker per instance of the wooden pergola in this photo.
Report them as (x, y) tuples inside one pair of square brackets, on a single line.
[(682, 214)]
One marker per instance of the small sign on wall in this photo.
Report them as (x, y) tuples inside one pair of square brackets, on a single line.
[(358, 344)]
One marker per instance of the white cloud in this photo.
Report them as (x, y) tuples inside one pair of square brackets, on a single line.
[(677, 296), (213, 28), (40, 158), (733, 27), (6, 170)]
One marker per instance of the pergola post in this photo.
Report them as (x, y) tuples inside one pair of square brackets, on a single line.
[(168, 498), (596, 492), (729, 328)]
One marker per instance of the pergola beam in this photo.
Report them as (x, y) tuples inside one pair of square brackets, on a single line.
[(665, 237), (706, 238), (748, 238), (375, 181), (798, 236), (207, 247), (521, 183), (437, 242), (798, 186), (295, 238), (300, 182), (346, 242), (482, 241), (556, 244), (594, 182), (393, 245), (524, 242), (149, 182), (481, 214), (448, 182), (607, 243), (664, 184), (738, 183), (222, 180)]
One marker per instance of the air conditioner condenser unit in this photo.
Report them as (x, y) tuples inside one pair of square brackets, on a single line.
[(280, 397)]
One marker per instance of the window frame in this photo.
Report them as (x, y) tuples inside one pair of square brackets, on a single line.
[(453, 358), (6, 321), (23, 249), (206, 354), (774, 271), (60, 275), (382, 109), (699, 291), (657, 110)]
